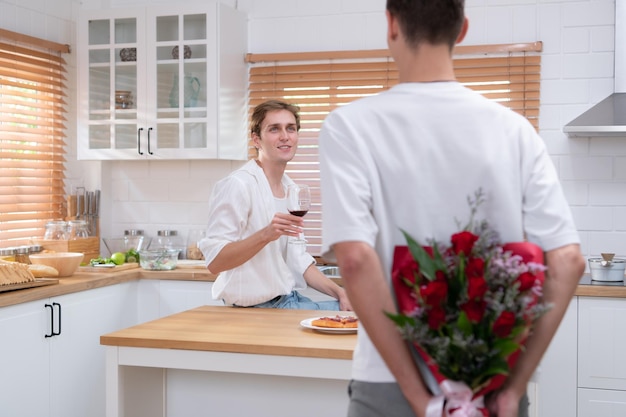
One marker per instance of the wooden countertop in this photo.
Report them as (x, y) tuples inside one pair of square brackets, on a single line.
[(237, 330), (82, 281)]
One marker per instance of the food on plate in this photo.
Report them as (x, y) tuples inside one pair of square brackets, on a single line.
[(14, 273), (337, 322)]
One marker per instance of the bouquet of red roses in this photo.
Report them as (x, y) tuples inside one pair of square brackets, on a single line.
[(467, 307)]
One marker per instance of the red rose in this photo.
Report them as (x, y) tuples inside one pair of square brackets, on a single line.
[(504, 324), (434, 292), (440, 276), (475, 267), (526, 281), (410, 270), (476, 287), (436, 317), (474, 310), (463, 242)]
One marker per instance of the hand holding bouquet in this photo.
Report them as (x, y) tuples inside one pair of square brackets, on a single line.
[(467, 306)]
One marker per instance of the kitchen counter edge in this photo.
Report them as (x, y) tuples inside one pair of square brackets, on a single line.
[(83, 281)]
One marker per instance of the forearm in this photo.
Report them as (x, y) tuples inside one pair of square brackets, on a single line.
[(565, 268), (315, 279), (370, 296), (237, 253)]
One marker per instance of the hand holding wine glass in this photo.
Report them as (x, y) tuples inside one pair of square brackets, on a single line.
[(298, 204)]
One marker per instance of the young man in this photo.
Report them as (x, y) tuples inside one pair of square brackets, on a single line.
[(408, 159), (249, 225)]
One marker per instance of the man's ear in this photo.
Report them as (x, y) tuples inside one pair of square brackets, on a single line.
[(393, 30), (463, 31)]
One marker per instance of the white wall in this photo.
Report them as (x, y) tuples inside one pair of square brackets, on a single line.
[(577, 71)]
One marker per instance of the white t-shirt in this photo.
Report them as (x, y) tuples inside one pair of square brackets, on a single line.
[(409, 158), (240, 205)]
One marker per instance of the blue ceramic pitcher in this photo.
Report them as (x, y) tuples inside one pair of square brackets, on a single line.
[(191, 90)]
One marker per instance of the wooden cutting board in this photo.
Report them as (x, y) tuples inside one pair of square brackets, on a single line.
[(123, 267), (190, 264), (38, 282)]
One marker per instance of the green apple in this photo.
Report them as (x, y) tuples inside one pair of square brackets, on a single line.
[(118, 258)]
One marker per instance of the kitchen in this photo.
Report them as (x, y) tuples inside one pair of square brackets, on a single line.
[(577, 71)]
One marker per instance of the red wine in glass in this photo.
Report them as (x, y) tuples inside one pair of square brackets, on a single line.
[(298, 204)]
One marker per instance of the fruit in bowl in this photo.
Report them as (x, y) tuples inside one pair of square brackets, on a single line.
[(65, 262)]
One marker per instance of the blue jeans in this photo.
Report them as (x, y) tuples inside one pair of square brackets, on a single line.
[(297, 301)]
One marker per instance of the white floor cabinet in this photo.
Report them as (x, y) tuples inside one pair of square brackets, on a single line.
[(61, 375)]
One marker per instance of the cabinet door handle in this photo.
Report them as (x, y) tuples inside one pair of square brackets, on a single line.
[(51, 320), (59, 321), (139, 141), (149, 151)]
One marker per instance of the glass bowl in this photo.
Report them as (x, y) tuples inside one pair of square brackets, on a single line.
[(123, 244), (158, 259)]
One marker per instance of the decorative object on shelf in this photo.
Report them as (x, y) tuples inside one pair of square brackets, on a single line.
[(123, 99), (128, 54), (191, 90), (186, 53)]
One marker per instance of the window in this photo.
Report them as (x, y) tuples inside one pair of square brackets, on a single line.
[(319, 82), (32, 117)]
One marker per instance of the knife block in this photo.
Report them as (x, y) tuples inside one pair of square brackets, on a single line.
[(89, 246)]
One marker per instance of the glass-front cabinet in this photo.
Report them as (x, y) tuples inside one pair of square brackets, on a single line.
[(154, 83)]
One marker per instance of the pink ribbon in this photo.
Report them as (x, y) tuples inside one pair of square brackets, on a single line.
[(456, 401)]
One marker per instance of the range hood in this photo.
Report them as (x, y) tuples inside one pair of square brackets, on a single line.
[(608, 117)]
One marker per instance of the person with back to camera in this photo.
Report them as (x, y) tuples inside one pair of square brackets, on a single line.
[(408, 158), (249, 226)]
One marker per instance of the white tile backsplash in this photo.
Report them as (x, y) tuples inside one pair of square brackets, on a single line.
[(577, 71)]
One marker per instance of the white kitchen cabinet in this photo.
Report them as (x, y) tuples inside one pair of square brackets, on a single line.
[(555, 385), (62, 375), (25, 360), (601, 403), (602, 343), (160, 298), (184, 69)]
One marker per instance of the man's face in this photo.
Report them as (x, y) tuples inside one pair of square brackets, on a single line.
[(279, 136)]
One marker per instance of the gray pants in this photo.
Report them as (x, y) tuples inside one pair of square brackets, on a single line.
[(369, 399)]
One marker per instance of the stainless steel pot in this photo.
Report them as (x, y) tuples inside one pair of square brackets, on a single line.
[(607, 268)]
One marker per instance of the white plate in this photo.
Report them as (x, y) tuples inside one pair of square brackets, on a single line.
[(307, 323), (104, 266)]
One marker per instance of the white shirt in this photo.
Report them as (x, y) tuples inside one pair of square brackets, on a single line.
[(409, 158), (240, 205)]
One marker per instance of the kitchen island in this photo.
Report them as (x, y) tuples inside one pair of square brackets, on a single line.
[(228, 361)]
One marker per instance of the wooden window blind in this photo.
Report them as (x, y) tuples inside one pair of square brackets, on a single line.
[(319, 82), (32, 155)]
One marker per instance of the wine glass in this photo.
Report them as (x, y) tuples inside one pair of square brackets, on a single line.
[(298, 204)]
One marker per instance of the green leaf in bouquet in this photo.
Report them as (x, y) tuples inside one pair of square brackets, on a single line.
[(400, 320), (506, 347), (426, 263), (464, 324)]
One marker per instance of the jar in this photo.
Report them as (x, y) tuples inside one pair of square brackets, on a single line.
[(77, 229), (56, 230), (133, 232), (169, 239), (21, 254), (8, 254), (193, 238)]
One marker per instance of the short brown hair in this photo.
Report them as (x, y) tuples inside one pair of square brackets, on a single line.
[(260, 111), (432, 21)]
